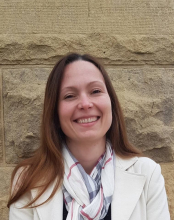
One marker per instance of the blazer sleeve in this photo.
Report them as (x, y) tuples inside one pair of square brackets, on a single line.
[(157, 205)]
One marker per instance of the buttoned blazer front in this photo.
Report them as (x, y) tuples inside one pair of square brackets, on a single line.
[(139, 194)]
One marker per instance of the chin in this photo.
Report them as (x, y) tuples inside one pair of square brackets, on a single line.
[(89, 138)]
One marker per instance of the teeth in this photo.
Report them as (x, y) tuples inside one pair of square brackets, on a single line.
[(87, 120)]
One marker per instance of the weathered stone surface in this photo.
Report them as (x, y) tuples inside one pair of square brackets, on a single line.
[(5, 175), (168, 173), (1, 120), (23, 91), (3, 208), (146, 95), (147, 98), (86, 16), (112, 49), (136, 32)]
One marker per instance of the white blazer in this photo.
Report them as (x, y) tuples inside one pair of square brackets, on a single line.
[(139, 195)]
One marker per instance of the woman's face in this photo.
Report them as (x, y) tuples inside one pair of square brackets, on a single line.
[(84, 104)]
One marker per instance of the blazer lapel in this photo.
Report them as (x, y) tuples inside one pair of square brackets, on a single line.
[(128, 189), (53, 209)]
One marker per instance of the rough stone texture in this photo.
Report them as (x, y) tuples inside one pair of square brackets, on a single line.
[(3, 208), (168, 173), (1, 121), (113, 49), (147, 98), (23, 91), (146, 95), (139, 33), (5, 175), (86, 16)]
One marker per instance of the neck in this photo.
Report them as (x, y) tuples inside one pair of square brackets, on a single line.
[(87, 153)]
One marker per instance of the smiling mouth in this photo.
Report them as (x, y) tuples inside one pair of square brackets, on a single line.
[(87, 120)]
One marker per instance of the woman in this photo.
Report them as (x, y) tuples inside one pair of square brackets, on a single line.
[(85, 168)]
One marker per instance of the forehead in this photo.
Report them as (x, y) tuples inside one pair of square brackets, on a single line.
[(81, 71)]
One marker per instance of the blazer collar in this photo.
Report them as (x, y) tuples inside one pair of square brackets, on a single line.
[(128, 189), (124, 164)]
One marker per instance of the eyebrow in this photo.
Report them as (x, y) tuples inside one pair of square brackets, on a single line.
[(74, 87)]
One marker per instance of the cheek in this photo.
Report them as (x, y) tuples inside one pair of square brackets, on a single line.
[(109, 110), (109, 116), (62, 119), (65, 112), (107, 105), (62, 113)]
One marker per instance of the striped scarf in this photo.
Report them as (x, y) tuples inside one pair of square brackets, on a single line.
[(87, 197)]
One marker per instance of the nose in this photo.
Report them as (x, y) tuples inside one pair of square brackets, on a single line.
[(85, 102)]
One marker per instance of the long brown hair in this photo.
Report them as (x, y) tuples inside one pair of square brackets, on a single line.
[(47, 161)]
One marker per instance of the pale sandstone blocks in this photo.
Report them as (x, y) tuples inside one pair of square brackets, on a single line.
[(1, 120), (87, 16), (131, 17), (29, 16), (112, 49), (23, 92), (5, 176), (147, 98), (135, 39)]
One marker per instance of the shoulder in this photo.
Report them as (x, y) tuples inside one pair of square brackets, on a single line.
[(144, 163), (142, 166), (148, 168), (139, 165), (154, 188), (153, 194)]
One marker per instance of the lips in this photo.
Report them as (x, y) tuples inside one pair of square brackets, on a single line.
[(86, 120)]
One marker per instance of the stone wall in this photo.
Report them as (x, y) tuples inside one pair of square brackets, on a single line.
[(135, 41)]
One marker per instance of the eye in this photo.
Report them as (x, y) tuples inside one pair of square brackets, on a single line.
[(95, 91), (69, 96)]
